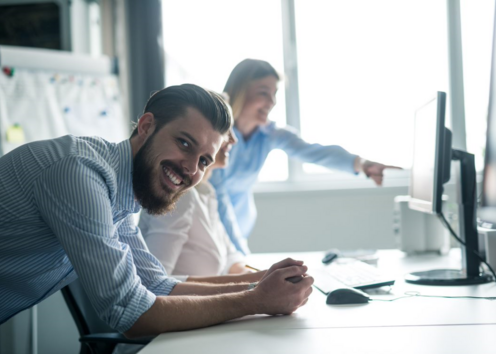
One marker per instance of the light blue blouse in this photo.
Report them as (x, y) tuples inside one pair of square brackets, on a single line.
[(234, 184)]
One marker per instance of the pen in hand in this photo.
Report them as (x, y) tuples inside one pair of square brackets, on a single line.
[(252, 268)]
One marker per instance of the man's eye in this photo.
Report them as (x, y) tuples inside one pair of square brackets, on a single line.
[(204, 161), (184, 142)]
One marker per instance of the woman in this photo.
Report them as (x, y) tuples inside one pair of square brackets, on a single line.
[(252, 87), (191, 242)]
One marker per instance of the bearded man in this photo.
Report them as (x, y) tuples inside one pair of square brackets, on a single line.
[(66, 212)]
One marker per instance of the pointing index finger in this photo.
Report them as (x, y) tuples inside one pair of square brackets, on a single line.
[(393, 167)]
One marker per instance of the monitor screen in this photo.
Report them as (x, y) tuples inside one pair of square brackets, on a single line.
[(487, 212), (427, 171), (35, 24)]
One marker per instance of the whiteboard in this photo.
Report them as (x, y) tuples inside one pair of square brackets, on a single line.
[(54, 93)]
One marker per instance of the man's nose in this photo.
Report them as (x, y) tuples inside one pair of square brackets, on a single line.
[(190, 166)]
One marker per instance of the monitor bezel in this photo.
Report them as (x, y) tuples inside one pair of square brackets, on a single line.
[(434, 206)]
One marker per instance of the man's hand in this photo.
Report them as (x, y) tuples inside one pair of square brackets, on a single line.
[(275, 295), (192, 305), (373, 170), (252, 277), (288, 262)]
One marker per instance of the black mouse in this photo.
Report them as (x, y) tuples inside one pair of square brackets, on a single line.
[(329, 257), (344, 296)]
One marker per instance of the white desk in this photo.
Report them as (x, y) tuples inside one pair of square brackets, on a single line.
[(410, 325)]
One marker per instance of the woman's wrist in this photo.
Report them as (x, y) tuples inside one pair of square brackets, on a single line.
[(357, 165)]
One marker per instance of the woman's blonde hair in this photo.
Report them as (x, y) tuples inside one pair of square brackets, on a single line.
[(242, 75)]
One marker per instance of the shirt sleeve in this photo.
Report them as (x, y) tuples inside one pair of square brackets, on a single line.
[(75, 201), (166, 234), (149, 269), (226, 212), (233, 255), (330, 156)]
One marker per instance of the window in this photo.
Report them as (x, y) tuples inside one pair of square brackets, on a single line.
[(204, 40), (477, 19), (364, 67)]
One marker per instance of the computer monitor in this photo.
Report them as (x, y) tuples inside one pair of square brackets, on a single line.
[(431, 169), (432, 156), (36, 23), (487, 212)]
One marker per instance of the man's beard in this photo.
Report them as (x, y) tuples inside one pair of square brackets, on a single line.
[(143, 181)]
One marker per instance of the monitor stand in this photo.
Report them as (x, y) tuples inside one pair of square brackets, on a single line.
[(466, 193), (446, 277)]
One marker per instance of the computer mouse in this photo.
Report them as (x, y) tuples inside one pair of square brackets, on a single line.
[(329, 257), (344, 296)]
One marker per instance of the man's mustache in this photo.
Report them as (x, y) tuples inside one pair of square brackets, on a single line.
[(185, 178)]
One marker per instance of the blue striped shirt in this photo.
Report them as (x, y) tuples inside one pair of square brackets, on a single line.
[(66, 210)]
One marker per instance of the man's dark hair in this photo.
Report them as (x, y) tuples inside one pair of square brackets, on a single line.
[(171, 103)]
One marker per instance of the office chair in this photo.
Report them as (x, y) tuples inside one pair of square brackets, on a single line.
[(95, 336)]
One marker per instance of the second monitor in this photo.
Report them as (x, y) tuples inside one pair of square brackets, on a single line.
[(430, 171)]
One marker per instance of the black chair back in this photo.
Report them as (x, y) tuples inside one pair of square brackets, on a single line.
[(85, 316), (96, 336)]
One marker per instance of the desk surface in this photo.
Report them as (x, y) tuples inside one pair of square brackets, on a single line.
[(408, 325)]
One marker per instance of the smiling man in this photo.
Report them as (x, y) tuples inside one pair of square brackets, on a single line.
[(66, 212)]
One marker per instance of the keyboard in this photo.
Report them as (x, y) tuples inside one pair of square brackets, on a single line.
[(351, 273), (485, 224)]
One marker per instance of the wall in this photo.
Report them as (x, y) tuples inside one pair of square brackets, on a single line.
[(320, 219)]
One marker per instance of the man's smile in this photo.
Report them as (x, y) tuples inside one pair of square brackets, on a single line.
[(172, 179)]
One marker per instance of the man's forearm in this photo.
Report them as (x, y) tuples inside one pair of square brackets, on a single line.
[(190, 288), (274, 295), (229, 278), (219, 279), (175, 313)]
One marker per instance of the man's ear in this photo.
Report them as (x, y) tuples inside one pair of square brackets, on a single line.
[(146, 126)]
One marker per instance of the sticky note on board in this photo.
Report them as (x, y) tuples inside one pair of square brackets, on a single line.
[(15, 134)]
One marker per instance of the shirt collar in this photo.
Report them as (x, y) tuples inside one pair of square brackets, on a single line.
[(124, 171), (265, 129), (269, 127)]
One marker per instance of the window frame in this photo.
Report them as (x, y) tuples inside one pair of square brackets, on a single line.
[(296, 174)]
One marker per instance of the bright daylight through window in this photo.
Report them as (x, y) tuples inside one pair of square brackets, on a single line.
[(363, 67), (477, 28), (204, 49)]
